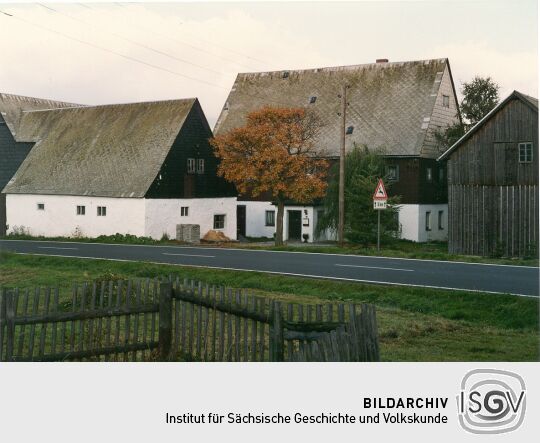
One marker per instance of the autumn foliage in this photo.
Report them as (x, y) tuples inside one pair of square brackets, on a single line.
[(274, 154)]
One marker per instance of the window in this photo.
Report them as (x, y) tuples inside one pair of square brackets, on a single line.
[(525, 152), (441, 174), (200, 166), (446, 101), (81, 210), (190, 165), (285, 74), (441, 217), (219, 221), (429, 174), (349, 130), (270, 218), (392, 172), (428, 220), (41, 206), (102, 211), (184, 211), (312, 99)]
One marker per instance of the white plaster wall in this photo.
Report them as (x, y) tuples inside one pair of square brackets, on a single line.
[(408, 220), (435, 233), (413, 222), (162, 215), (307, 211), (124, 215), (256, 218)]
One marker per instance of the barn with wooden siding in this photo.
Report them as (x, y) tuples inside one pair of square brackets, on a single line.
[(493, 182)]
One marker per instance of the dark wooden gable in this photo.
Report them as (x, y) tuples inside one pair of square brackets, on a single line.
[(174, 180)]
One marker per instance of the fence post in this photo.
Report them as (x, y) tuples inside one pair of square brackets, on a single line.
[(165, 320), (276, 334), (2, 321), (370, 333), (9, 307)]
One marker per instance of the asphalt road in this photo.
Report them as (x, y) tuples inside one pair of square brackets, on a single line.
[(518, 280)]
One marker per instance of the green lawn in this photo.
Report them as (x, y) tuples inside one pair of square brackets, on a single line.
[(415, 324)]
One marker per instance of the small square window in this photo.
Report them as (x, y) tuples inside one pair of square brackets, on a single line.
[(441, 220), (200, 166), (312, 99), (102, 211), (191, 165), (446, 101), (428, 220), (392, 172), (270, 218), (81, 210), (349, 130), (525, 152), (219, 221), (41, 206), (429, 174), (184, 211)]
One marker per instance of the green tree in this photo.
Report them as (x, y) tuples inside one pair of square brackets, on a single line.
[(363, 169), (480, 96)]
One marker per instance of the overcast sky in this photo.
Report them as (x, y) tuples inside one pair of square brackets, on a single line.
[(109, 52)]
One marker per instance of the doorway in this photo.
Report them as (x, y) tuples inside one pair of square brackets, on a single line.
[(240, 221), (295, 225)]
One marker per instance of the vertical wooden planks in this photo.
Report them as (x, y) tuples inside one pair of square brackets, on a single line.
[(35, 307), (43, 331)]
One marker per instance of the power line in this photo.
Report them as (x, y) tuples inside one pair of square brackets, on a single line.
[(157, 51), (119, 54), (191, 45)]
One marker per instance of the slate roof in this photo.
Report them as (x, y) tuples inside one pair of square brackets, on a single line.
[(387, 102), (108, 151), (11, 107), (527, 99)]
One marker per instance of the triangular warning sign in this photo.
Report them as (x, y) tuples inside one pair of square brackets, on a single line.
[(380, 191)]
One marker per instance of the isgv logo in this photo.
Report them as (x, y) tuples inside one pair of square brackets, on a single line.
[(491, 401)]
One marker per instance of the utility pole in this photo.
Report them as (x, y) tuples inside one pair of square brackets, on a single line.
[(341, 222)]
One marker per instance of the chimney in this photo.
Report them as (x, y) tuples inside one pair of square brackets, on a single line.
[(381, 60)]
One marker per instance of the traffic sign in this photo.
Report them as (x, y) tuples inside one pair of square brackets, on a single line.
[(380, 191), (379, 204)]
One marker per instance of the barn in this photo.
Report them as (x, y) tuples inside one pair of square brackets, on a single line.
[(136, 168), (493, 182), (396, 106), (12, 152)]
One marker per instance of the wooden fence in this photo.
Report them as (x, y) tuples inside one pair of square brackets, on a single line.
[(173, 319)]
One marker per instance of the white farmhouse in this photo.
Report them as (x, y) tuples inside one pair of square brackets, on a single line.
[(138, 168), (396, 106)]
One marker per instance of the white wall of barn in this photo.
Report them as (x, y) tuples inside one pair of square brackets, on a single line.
[(59, 217), (162, 215), (412, 219), (256, 218)]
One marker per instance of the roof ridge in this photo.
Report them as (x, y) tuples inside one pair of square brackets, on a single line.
[(112, 105), (346, 67)]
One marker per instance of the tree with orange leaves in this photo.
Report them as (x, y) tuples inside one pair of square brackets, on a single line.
[(274, 153)]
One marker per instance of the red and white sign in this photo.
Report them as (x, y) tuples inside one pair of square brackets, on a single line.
[(380, 191), (380, 196)]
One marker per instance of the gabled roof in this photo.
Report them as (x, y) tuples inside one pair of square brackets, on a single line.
[(108, 151), (388, 102), (11, 107), (531, 102)]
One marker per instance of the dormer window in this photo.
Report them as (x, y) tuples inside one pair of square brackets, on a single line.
[(349, 130), (312, 99)]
